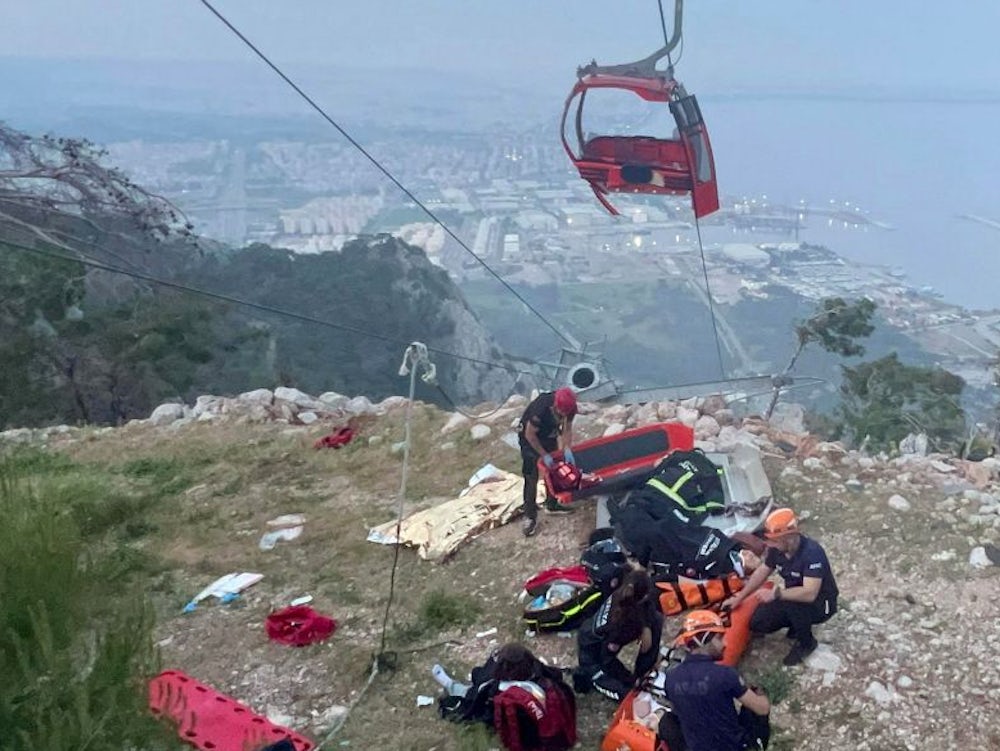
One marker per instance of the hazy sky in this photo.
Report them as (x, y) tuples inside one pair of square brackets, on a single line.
[(732, 43)]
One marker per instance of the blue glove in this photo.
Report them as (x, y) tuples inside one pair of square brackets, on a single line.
[(568, 456), (547, 460)]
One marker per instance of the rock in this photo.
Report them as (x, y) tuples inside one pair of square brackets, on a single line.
[(333, 400), (308, 417), (398, 447), (296, 397), (824, 659), (374, 440), (899, 503), (904, 681), (724, 417), (257, 396), (646, 414), (853, 483), (812, 463), (706, 427), (390, 403), (978, 558), (614, 429), (359, 405), (615, 413), (687, 416), (880, 693), (915, 444), (940, 466), (788, 418), (457, 420), (326, 720), (480, 431), (166, 414), (447, 446), (713, 405), (666, 410)]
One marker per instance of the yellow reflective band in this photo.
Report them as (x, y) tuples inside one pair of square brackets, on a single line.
[(672, 494)]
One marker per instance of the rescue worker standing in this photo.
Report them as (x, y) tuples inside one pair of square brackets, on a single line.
[(546, 426), (809, 592), (702, 693), (632, 613)]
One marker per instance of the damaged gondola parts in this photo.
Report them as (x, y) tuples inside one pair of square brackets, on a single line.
[(680, 165)]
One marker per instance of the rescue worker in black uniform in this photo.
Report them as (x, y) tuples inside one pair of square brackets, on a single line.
[(632, 613), (546, 426)]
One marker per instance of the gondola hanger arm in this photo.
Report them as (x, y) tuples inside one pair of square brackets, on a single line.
[(645, 68)]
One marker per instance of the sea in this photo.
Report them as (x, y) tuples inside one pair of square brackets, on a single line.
[(930, 170)]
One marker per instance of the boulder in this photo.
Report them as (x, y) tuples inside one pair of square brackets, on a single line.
[(166, 414), (456, 420), (257, 396), (788, 417), (706, 427), (298, 398), (480, 431), (687, 415), (713, 404), (359, 405), (333, 400)]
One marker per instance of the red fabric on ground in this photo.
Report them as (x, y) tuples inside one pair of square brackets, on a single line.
[(298, 626)]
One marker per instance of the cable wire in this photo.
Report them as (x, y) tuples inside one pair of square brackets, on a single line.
[(711, 305), (256, 306), (378, 165), (663, 25)]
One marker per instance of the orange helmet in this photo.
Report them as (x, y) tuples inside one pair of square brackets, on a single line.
[(565, 401), (781, 523), (697, 623)]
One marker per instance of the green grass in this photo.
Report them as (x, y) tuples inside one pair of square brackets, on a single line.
[(75, 643)]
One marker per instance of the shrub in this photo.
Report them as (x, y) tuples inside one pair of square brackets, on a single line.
[(74, 652)]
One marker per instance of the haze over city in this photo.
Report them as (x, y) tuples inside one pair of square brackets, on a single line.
[(888, 108)]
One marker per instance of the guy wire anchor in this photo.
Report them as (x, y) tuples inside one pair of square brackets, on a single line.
[(415, 356)]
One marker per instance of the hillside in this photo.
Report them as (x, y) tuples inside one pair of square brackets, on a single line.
[(915, 639)]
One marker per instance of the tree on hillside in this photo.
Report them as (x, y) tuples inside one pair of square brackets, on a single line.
[(885, 400), (835, 326), (59, 191)]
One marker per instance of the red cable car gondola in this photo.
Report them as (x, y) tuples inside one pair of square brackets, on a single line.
[(645, 164)]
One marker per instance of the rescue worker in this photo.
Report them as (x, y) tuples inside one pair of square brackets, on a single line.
[(660, 521), (808, 594), (630, 614), (546, 426), (702, 693)]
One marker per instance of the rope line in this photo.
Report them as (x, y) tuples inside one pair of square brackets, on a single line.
[(392, 178)]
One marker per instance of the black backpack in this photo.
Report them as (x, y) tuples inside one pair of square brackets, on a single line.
[(694, 478)]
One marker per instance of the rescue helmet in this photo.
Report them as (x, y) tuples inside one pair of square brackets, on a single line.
[(565, 401), (698, 627), (781, 523), (565, 476)]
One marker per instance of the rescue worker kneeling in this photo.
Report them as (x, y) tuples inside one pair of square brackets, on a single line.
[(702, 693), (809, 595), (630, 614)]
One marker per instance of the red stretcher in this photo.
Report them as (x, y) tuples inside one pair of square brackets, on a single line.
[(212, 721), (616, 460)]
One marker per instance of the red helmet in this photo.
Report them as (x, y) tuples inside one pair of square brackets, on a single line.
[(565, 401), (565, 476)]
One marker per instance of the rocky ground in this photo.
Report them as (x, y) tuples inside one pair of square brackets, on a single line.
[(910, 662)]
